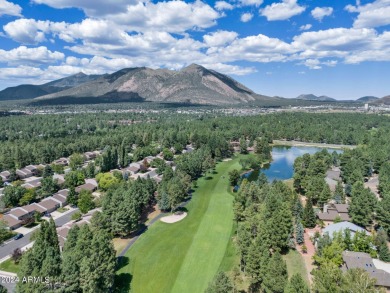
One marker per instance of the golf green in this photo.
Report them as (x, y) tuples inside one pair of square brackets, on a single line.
[(184, 256)]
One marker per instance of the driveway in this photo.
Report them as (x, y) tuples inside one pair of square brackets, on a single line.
[(8, 247)]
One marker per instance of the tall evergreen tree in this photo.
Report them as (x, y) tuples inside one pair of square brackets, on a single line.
[(275, 279), (98, 270), (296, 285), (299, 233), (220, 284), (309, 217), (71, 262)]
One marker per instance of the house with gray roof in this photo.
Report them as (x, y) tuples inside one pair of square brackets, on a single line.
[(341, 227), (361, 260), (5, 175)]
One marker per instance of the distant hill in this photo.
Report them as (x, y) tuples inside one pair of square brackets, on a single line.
[(311, 97), (29, 91), (385, 100), (367, 99), (193, 84)]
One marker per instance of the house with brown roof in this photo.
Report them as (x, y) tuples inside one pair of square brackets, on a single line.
[(50, 204), (332, 211), (361, 260), (60, 199), (33, 183), (35, 208), (60, 178), (24, 173), (62, 162), (86, 186), (12, 221), (5, 175)]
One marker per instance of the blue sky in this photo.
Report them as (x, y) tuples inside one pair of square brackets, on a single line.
[(284, 47)]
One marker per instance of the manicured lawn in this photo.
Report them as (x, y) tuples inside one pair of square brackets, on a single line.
[(185, 256), (62, 210), (295, 264), (9, 266)]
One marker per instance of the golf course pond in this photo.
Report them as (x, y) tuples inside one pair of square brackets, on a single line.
[(282, 164)]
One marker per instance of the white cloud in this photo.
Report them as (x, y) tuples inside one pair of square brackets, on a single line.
[(230, 69), (171, 16), (94, 8), (24, 55), (27, 31), (282, 10), (373, 14), (312, 63), (219, 38), (305, 27), (251, 2), (245, 17), (320, 12), (223, 5), (9, 8)]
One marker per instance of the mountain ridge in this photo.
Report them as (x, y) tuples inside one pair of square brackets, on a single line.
[(193, 84), (311, 97)]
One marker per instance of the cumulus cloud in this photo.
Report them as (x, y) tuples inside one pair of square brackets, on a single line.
[(312, 63), (305, 27), (25, 55), (373, 14), (27, 31), (251, 2), (219, 38), (320, 12), (282, 10), (94, 8), (9, 8), (245, 17), (223, 5)]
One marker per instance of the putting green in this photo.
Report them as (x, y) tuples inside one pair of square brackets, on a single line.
[(184, 256)]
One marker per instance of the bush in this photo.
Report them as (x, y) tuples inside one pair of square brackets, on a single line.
[(76, 216)]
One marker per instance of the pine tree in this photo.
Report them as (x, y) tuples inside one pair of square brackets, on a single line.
[(381, 240), (309, 217), (98, 270), (70, 262), (72, 196), (276, 276), (339, 195), (383, 213), (298, 209), (325, 195), (220, 284), (299, 233), (257, 261), (296, 285)]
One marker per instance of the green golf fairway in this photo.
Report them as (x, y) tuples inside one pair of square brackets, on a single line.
[(184, 256)]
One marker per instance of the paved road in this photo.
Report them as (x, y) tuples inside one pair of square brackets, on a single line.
[(8, 248)]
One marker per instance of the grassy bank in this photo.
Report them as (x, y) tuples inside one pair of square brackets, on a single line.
[(185, 256)]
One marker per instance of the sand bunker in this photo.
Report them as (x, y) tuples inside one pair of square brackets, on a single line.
[(227, 160), (173, 218)]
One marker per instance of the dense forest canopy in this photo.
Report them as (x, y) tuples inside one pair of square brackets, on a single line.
[(33, 139)]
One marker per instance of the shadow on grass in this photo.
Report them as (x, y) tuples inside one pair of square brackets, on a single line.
[(122, 280), (181, 209), (208, 178)]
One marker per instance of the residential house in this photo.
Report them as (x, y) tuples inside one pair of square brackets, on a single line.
[(35, 208), (86, 186), (32, 182), (150, 174), (332, 211), (5, 175), (50, 204), (90, 156), (12, 222), (361, 260), (24, 173), (62, 200), (60, 178), (332, 177), (62, 162), (342, 226)]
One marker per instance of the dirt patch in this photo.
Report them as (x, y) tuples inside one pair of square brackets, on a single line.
[(173, 218)]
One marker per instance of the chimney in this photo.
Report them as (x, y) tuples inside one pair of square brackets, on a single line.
[(325, 208)]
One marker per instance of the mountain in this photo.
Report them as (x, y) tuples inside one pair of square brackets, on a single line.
[(367, 99), (311, 97), (29, 91), (193, 84), (385, 100)]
